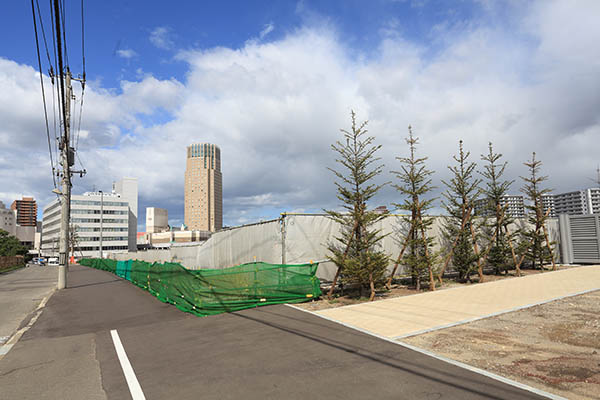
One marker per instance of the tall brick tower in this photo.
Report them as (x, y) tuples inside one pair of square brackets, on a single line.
[(26, 209), (203, 188)]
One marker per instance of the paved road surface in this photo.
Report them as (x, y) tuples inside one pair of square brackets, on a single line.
[(20, 293), (271, 352)]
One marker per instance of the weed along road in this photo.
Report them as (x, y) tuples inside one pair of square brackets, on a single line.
[(105, 338)]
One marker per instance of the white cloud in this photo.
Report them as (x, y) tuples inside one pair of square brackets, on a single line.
[(274, 109), (126, 53), (161, 38), (268, 28)]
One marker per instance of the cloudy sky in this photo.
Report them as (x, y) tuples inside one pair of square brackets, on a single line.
[(273, 82)]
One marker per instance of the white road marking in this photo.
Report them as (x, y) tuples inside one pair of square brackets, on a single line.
[(134, 386)]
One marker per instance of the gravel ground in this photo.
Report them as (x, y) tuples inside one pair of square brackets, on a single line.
[(554, 346)]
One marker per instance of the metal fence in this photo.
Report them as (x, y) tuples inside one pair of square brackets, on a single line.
[(580, 238)]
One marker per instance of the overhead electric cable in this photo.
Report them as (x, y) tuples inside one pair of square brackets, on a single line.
[(57, 92), (37, 46), (82, 49), (60, 68), (64, 32), (79, 123), (43, 33), (82, 80), (53, 35), (79, 159)]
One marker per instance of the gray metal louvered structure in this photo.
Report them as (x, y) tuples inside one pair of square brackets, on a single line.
[(580, 238)]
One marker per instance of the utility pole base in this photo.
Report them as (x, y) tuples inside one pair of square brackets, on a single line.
[(62, 277)]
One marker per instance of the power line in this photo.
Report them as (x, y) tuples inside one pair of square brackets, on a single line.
[(43, 34), (60, 67), (53, 36), (82, 49), (79, 123), (57, 92), (64, 32), (37, 46)]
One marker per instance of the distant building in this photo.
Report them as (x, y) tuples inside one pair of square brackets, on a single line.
[(515, 207), (381, 210), (114, 224), (549, 203), (128, 189), (580, 202), (203, 188), (157, 220), (7, 220), (26, 210), (168, 238)]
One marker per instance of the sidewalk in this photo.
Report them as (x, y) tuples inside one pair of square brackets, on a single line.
[(21, 292), (410, 315)]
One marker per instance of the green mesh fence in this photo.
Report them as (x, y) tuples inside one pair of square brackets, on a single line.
[(214, 291)]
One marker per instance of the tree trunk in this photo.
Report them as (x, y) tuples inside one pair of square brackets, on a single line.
[(389, 282), (339, 269), (462, 227), (430, 270), (549, 247), (476, 250), (372, 286), (512, 250)]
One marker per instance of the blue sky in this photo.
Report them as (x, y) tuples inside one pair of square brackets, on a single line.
[(113, 26), (273, 82)]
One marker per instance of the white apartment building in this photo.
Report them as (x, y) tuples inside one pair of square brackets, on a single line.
[(548, 203), (515, 207), (89, 224), (580, 202)]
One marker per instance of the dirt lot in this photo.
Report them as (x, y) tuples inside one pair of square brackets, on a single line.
[(554, 347), (399, 290)]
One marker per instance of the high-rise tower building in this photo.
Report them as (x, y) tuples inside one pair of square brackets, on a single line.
[(26, 210), (203, 188)]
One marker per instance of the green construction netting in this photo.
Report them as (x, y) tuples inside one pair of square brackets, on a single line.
[(214, 291)]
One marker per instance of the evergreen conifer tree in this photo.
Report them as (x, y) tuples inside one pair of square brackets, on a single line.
[(537, 250), (415, 183), (355, 251), (495, 190), (462, 192)]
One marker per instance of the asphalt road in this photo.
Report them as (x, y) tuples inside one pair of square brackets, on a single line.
[(273, 352), (21, 291)]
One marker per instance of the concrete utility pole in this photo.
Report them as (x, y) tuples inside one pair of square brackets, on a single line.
[(66, 155)]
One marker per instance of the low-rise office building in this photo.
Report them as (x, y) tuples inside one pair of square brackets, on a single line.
[(96, 218)]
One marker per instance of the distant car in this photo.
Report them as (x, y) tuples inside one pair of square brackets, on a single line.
[(53, 261)]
